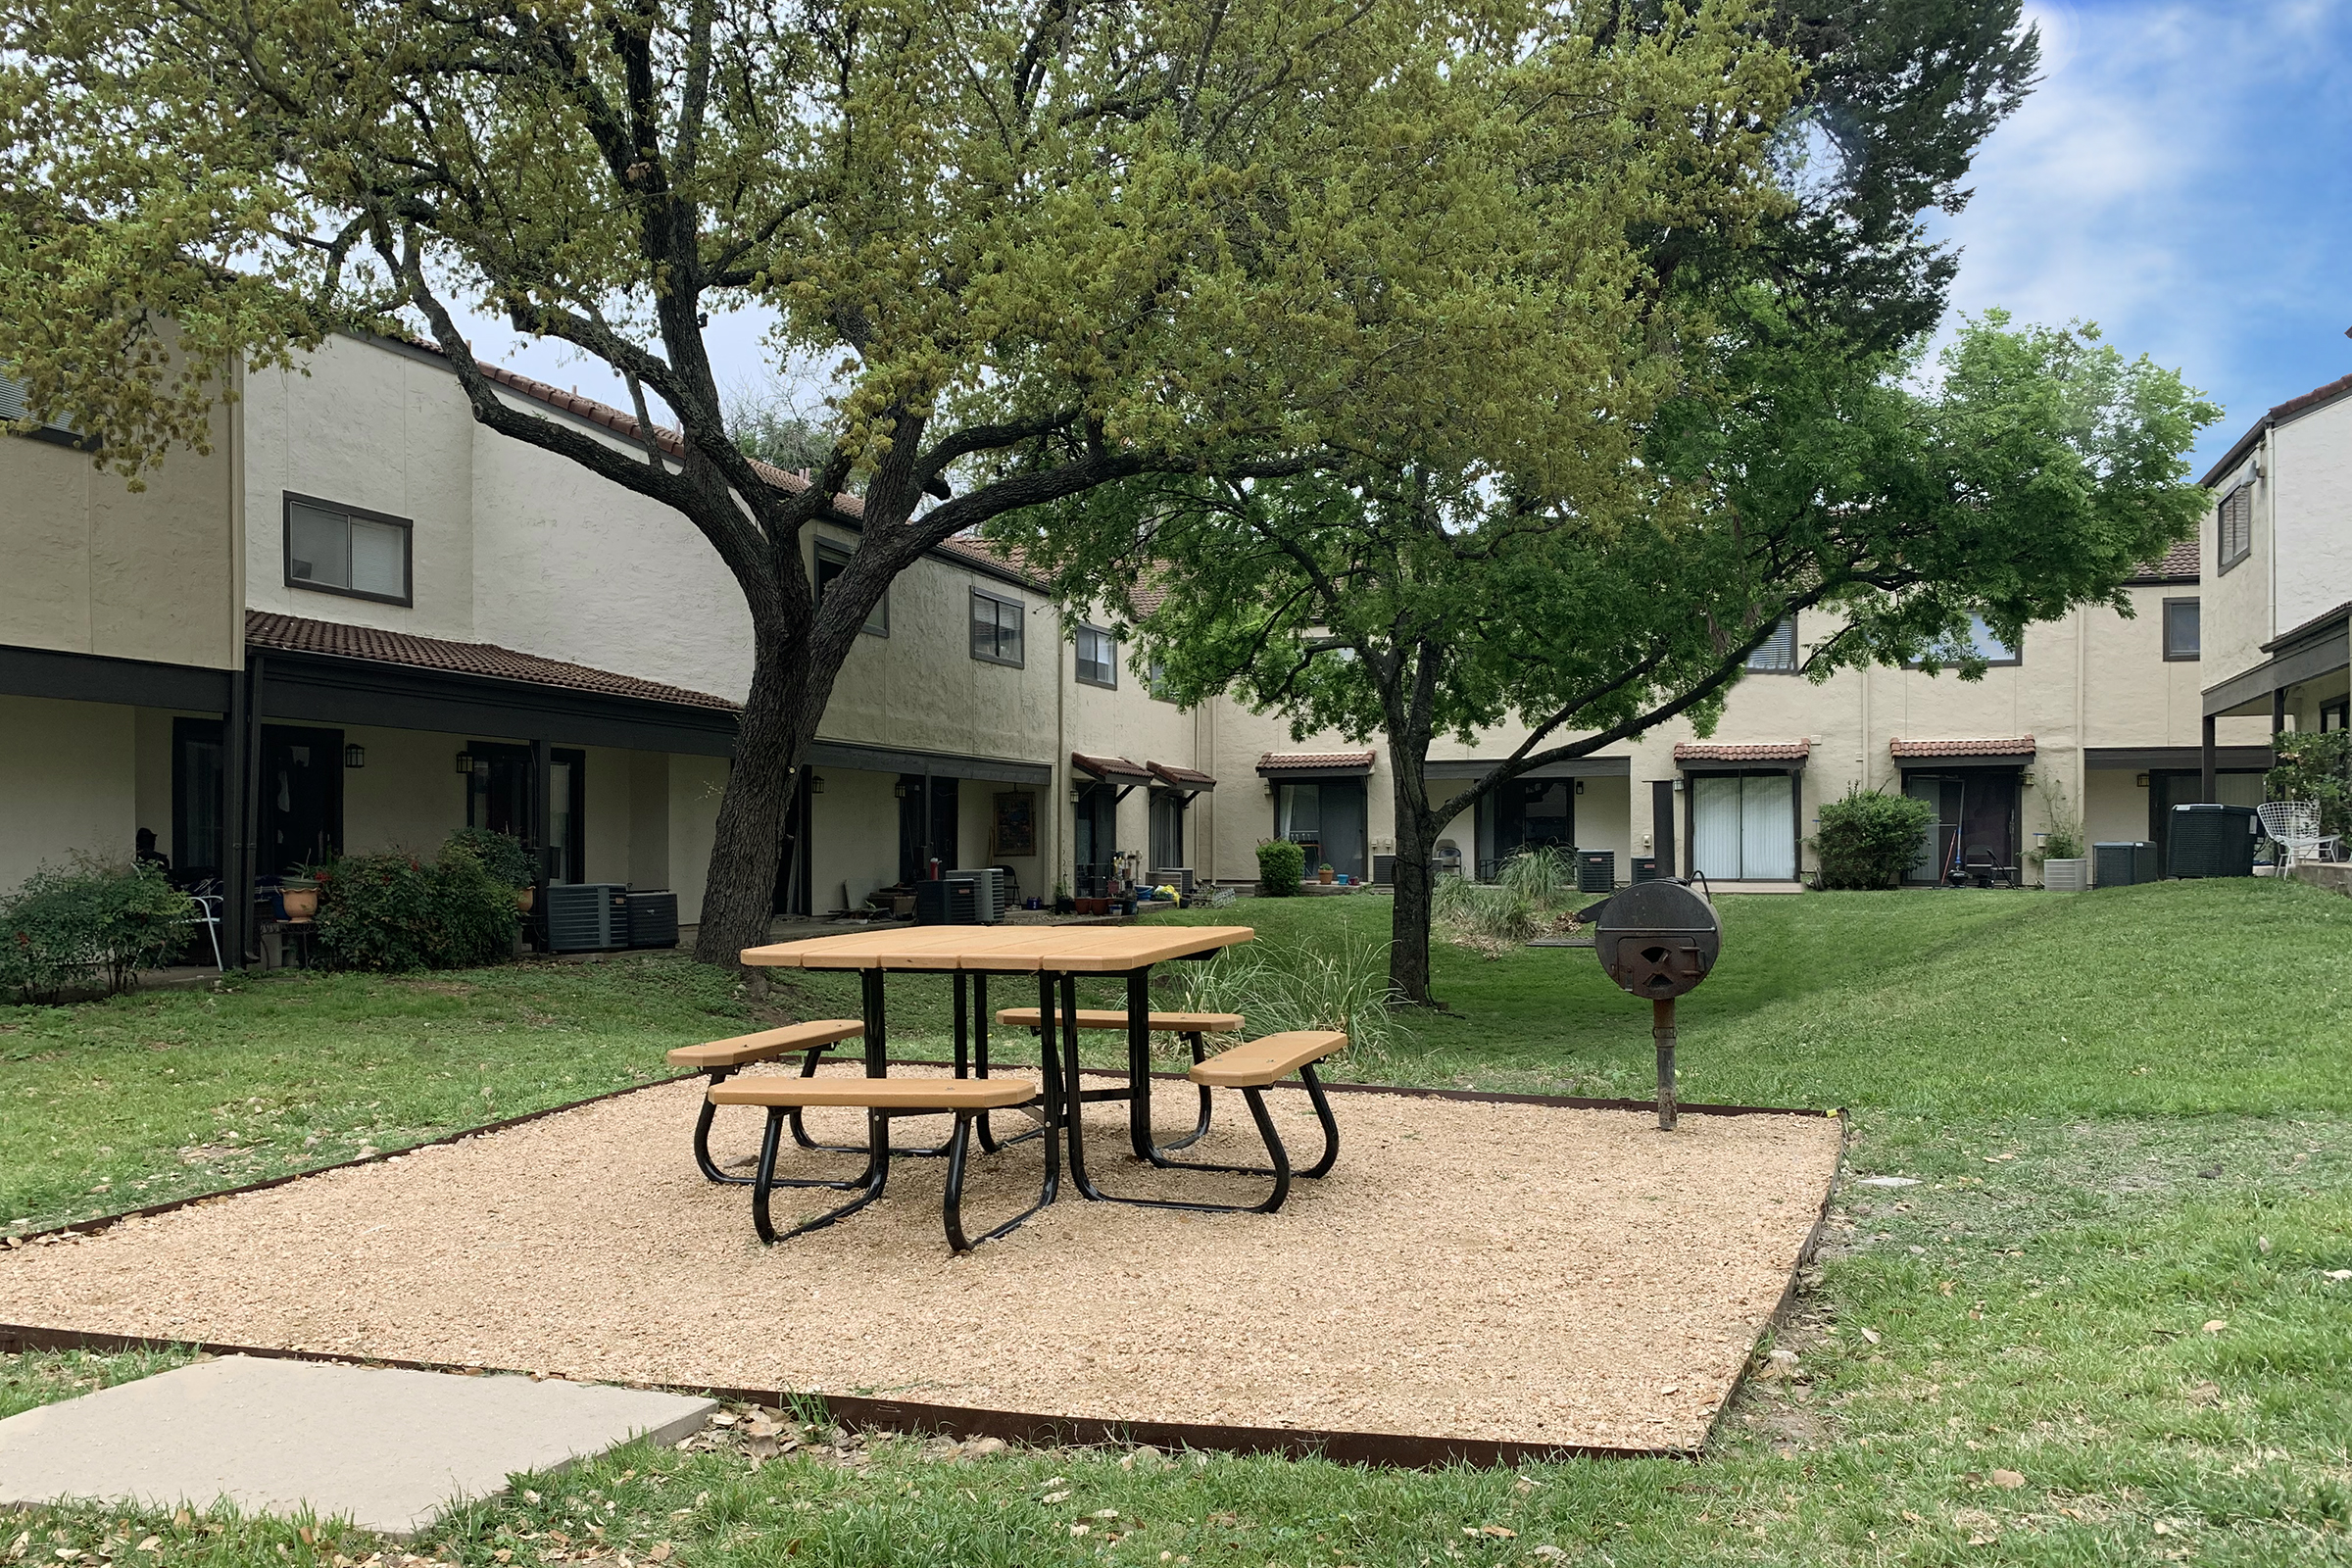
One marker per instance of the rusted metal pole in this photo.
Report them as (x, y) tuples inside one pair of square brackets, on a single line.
[(1661, 1029)]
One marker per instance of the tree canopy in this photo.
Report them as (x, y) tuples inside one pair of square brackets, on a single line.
[(1041, 245)]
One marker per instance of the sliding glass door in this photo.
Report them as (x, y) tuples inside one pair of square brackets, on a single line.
[(1743, 826)]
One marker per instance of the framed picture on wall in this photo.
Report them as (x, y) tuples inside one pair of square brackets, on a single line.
[(1015, 831)]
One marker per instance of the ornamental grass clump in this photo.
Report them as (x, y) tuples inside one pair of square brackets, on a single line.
[(1278, 984), (92, 923), (1869, 839), (1534, 892), (398, 912)]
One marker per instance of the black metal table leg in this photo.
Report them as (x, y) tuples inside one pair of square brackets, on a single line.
[(1073, 1096), (1191, 1038), (1139, 1061), (964, 1029)]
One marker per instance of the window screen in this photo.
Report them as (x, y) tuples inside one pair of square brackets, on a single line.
[(1779, 651), (2180, 628), (2235, 525), (1098, 657), (831, 562), (347, 551), (996, 628)]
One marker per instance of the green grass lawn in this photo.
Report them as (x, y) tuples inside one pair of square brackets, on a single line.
[(2100, 1329)]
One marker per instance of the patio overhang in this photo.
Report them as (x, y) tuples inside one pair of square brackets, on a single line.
[(1186, 782), (2321, 645), (1301, 767), (1109, 769), (2012, 750), (938, 765), (1573, 768), (2174, 759)]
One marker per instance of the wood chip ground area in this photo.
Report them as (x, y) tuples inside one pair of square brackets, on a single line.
[(1514, 1272)]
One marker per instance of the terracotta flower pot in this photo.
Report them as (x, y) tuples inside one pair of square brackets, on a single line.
[(525, 897), (1324, 876), (302, 904)]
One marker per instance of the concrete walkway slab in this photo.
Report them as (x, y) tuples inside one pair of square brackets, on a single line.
[(385, 1447)]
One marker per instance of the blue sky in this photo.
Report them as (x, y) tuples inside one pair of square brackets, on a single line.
[(2182, 176)]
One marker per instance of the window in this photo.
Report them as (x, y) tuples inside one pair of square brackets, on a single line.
[(12, 408), (1098, 657), (996, 628), (2336, 715), (2179, 628), (831, 562), (1156, 677), (342, 549), (1743, 826), (1984, 645), (1779, 651), (2233, 525)]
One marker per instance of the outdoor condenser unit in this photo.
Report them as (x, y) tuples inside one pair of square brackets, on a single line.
[(587, 917), (990, 895), (2212, 841), (653, 918), (1596, 870), (2124, 862), (1180, 877)]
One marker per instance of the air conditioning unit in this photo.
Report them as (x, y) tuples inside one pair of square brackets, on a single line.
[(652, 918), (2124, 862), (991, 892), (2212, 841), (1181, 876), (587, 917), (1596, 870)]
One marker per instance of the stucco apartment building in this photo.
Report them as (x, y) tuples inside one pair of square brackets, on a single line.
[(2276, 549), (363, 620)]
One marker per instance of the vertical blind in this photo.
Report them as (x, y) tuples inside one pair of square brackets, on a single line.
[(1743, 826)]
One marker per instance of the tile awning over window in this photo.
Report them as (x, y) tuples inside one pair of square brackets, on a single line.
[(2013, 745), (1765, 752), (1329, 763), (1107, 767), (1180, 779)]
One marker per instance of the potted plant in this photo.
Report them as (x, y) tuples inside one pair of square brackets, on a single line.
[(1325, 872), (2064, 869), (298, 893)]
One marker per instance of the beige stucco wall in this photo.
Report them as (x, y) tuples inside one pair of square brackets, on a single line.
[(70, 778), (88, 565), (2312, 522), (2239, 615)]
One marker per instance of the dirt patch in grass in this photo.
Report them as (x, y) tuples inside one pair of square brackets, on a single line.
[(1516, 1272)]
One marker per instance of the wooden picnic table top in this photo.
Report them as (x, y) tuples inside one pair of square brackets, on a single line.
[(1000, 950)]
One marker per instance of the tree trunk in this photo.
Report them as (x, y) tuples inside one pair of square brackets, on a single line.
[(1417, 843), (739, 893)]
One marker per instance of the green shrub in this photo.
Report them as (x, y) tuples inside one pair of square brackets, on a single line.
[(397, 911), (1280, 866), (2316, 766), (93, 922), (1869, 839), (501, 855)]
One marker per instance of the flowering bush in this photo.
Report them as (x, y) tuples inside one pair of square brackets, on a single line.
[(398, 912)]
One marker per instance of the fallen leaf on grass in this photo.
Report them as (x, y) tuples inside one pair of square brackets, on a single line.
[(1053, 1498), (2339, 1275), (2205, 1394), (151, 1543), (2216, 1325), (2008, 1480), (1497, 1532)]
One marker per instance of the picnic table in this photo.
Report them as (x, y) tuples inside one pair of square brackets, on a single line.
[(1056, 956)]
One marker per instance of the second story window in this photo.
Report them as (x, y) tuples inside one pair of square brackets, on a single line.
[(1097, 656), (1779, 651), (336, 548), (831, 562), (997, 629), (1157, 679), (2179, 628), (2233, 525)]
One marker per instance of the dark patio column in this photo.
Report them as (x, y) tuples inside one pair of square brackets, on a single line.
[(542, 819), (2211, 788), (1661, 834)]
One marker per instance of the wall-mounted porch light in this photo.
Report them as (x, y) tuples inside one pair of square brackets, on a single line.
[(816, 784), (354, 756), (466, 763)]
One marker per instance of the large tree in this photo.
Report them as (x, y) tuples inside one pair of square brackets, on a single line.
[(1046, 244)]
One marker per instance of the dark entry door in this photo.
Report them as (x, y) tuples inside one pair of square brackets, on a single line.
[(197, 810), (1975, 830), (927, 811), (1097, 842), (1532, 813), (500, 796), (1167, 830), (301, 798)]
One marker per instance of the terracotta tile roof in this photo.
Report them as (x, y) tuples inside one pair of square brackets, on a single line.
[(296, 634), (1767, 751), (1188, 778), (2318, 395), (1295, 762), (2014, 745), (1005, 557), (1106, 766), (2177, 564)]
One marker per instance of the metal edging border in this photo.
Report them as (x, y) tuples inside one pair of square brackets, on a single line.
[(857, 1412)]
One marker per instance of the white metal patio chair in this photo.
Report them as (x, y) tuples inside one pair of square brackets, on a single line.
[(2294, 826)]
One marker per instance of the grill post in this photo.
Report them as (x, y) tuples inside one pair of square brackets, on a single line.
[(1661, 1029)]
